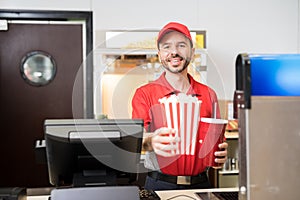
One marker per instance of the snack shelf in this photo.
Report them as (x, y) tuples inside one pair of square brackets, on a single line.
[(231, 134), (228, 172), (228, 176)]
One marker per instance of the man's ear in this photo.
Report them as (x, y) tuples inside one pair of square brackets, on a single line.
[(158, 53), (193, 53)]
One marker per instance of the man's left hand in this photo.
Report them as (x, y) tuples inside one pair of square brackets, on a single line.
[(221, 156)]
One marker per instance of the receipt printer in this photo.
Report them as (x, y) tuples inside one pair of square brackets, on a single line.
[(13, 193)]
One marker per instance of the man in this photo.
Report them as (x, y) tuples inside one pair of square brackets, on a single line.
[(175, 51)]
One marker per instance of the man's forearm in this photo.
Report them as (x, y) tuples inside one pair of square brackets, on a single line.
[(147, 142)]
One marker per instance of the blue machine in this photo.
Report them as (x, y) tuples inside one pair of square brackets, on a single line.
[(267, 106)]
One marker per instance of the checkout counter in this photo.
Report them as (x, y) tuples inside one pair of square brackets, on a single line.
[(165, 195)]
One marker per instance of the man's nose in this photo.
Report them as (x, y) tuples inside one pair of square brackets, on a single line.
[(173, 50)]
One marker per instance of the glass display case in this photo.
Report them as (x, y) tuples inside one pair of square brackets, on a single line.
[(120, 67), (121, 71)]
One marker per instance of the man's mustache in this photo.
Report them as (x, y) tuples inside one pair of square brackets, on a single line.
[(174, 56)]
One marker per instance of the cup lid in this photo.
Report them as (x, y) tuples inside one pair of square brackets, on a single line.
[(214, 120)]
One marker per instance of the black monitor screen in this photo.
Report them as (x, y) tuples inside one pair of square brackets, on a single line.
[(83, 152)]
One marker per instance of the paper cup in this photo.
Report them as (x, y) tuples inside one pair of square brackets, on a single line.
[(182, 113), (212, 130)]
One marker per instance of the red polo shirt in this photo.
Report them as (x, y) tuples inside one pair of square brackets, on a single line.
[(145, 104)]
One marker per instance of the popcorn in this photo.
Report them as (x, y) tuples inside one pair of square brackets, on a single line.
[(182, 114)]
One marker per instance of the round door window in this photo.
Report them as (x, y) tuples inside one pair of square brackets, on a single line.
[(38, 68)]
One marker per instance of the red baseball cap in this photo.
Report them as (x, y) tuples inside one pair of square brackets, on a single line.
[(174, 26)]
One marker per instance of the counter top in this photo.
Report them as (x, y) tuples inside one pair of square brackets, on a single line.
[(164, 195)]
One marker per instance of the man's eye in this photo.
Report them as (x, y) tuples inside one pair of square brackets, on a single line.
[(166, 47)]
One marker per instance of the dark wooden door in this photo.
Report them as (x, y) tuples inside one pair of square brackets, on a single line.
[(24, 107)]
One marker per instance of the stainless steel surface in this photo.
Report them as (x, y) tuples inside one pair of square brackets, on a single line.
[(273, 135)]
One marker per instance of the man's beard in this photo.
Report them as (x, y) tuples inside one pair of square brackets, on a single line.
[(176, 70)]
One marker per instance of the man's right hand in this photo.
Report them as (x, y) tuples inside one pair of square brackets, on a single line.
[(164, 142)]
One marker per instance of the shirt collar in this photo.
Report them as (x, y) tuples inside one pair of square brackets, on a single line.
[(169, 90)]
